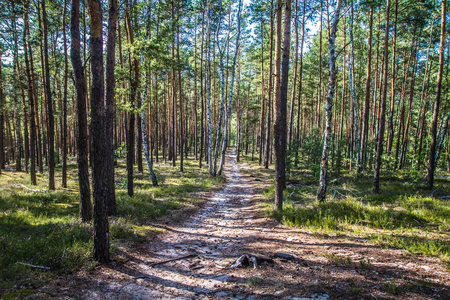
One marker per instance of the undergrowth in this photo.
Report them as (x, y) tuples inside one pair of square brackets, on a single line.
[(41, 228), (404, 215)]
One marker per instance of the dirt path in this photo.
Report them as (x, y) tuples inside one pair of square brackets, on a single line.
[(229, 225)]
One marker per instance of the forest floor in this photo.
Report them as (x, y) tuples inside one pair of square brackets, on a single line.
[(205, 243)]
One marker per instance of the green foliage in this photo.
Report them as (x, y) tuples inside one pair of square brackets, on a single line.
[(120, 152)]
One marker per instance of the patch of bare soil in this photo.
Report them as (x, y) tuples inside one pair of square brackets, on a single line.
[(193, 259)]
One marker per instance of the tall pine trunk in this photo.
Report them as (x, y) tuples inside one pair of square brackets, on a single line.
[(279, 126), (432, 160), (109, 107), (101, 227), (51, 121), (82, 137), (382, 110)]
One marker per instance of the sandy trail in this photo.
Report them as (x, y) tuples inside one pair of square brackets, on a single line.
[(229, 225)]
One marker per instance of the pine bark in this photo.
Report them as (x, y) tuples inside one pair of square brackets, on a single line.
[(431, 163), (82, 138), (101, 227), (51, 121), (30, 102), (365, 129), (280, 106), (109, 107), (382, 110)]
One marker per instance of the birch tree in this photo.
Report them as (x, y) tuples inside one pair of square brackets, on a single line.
[(321, 192)]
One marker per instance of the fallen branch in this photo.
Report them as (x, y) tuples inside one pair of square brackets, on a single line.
[(33, 190), (434, 192), (248, 260), (33, 266), (174, 259), (337, 192)]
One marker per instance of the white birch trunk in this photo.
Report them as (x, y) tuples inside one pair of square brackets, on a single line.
[(321, 192), (355, 110)]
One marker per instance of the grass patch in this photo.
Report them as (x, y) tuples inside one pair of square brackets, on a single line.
[(42, 228), (404, 215), (254, 281)]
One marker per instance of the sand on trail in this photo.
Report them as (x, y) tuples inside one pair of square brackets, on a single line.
[(230, 224)]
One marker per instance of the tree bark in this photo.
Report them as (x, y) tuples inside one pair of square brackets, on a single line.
[(30, 101), (134, 82), (321, 192), (2, 121), (431, 163), (64, 124), (82, 138), (51, 121), (109, 107), (227, 116), (101, 227), (394, 64), (279, 126), (376, 179), (352, 88)]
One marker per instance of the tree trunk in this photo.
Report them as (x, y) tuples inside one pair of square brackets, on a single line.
[(394, 64), (432, 160), (352, 88), (2, 121), (321, 192), (30, 101), (294, 80), (227, 116), (134, 82), (109, 107), (51, 126), (64, 103), (101, 227), (365, 129), (279, 126), (263, 100), (376, 179), (82, 141)]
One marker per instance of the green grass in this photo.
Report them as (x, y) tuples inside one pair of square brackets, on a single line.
[(42, 228), (404, 215)]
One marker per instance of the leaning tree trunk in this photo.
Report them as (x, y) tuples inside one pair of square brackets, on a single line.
[(431, 162), (441, 141), (147, 157), (101, 227), (321, 192)]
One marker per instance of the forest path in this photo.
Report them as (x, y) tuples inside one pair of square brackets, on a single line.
[(230, 224)]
